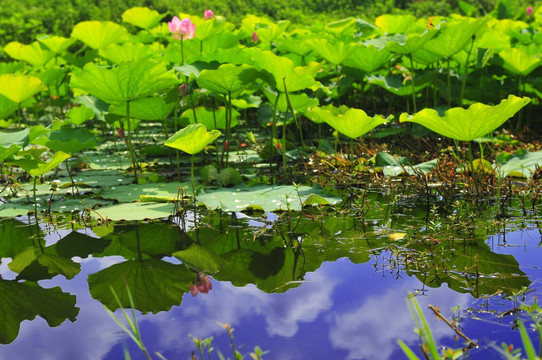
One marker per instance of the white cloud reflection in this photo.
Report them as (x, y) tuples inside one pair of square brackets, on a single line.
[(371, 330)]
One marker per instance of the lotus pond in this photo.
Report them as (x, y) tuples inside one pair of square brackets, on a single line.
[(323, 191)]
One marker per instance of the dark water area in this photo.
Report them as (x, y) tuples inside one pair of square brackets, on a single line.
[(300, 287)]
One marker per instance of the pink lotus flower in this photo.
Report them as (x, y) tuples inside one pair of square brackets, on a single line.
[(182, 29), (529, 11), (208, 14), (121, 133), (255, 37)]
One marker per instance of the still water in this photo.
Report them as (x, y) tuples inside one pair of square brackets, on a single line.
[(300, 289)]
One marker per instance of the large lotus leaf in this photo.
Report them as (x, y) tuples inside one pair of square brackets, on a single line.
[(16, 236), (56, 44), (19, 88), (222, 40), (395, 24), (117, 53), (206, 117), (134, 192), (192, 139), (155, 285), (35, 54), (468, 124), (68, 140), (128, 81), (208, 28), (25, 301), (53, 77), (352, 123), (495, 40), (80, 244), (80, 114), (7, 107), (401, 43), (342, 28), (37, 167), (520, 164), (333, 52), (299, 46), (154, 108), (284, 71), (99, 34), (453, 36), (300, 102), (227, 79), (143, 240), (518, 61), (201, 259), (28, 261), (395, 85), (142, 17), (19, 138), (272, 31), (367, 58)]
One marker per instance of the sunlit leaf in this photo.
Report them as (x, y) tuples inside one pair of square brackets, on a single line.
[(518, 61), (142, 17), (19, 88), (35, 54), (99, 34), (126, 82), (468, 124), (211, 119), (352, 123), (37, 167), (192, 139)]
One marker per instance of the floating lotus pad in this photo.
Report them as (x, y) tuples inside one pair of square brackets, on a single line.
[(468, 124)]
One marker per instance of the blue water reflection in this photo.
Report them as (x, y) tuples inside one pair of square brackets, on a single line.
[(341, 311)]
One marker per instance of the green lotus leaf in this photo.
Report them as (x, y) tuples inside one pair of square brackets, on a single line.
[(401, 43), (272, 31), (342, 27), (192, 139), (117, 53), (468, 124), (56, 44), (208, 28), (68, 140), (11, 143), (520, 164), (395, 24), (35, 54), (7, 107), (153, 108), (333, 52), (352, 123), (19, 88), (80, 114), (206, 117), (33, 264), (155, 285), (25, 301), (37, 167), (53, 78), (200, 259), (99, 34), (128, 81), (283, 70), (367, 58), (227, 79), (395, 85), (294, 45), (518, 61), (142, 17), (454, 36), (300, 102)]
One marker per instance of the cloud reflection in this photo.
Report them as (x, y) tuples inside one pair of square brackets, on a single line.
[(371, 330)]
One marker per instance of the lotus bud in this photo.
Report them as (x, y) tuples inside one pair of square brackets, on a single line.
[(208, 14), (529, 11), (182, 90), (255, 37)]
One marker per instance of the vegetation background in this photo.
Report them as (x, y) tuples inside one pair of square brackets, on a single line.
[(22, 20)]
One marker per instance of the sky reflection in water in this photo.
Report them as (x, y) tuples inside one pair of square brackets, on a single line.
[(342, 311)]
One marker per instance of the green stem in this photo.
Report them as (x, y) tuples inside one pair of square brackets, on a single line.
[(465, 73), (449, 84), (298, 124), (182, 50), (412, 75), (19, 120), (129, 141), (192, 180), (177, 151)]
